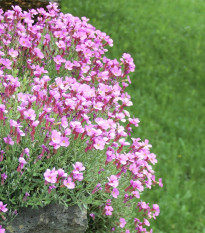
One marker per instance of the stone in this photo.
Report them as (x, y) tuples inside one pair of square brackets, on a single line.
[(53, 218)]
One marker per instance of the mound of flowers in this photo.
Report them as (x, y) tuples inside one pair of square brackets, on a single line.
[(65, 131)]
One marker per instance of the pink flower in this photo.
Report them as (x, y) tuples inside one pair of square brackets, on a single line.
[(134, 121), (92, 215), (22, 162), (13, 53), (69, 65), (51, 176), (61, 44), (78, 166), (160, 182), (69, 183), (30, 114), (99, 144), (61, 173), (146, 222), (3, 207), (108, 210), (113, 181), (56, 136), (38, 53), (58, 60), (64, 122), (137, 185), (115, 193), (116, 71), (2, 230), (156, 209), (122, 222), (136, 194), (8, 140), (2, 110), (78, 176), (25, 42), (64, 141)]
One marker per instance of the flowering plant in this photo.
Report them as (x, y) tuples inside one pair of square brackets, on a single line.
[(65, 131)]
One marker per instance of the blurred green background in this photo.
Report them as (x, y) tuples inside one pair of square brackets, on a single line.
[(166, 38)]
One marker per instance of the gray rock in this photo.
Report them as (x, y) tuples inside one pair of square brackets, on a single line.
[(53, 218)]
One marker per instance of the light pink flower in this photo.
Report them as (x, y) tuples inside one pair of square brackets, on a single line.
[(30, 114), (13, 53), (56, 136), (51, 176), (122, 222), (69, 183), (64, 141)]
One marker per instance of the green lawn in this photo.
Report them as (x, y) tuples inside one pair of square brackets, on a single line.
[(167, 41)]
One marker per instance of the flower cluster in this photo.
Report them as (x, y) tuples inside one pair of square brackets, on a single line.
[(59, 90), (54, 177)]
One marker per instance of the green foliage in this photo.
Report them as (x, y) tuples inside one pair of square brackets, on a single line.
[(167, 40)]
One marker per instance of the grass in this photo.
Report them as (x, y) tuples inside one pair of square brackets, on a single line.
[(167, 41)]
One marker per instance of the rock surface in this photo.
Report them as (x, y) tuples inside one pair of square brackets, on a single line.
[(53, 218)]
